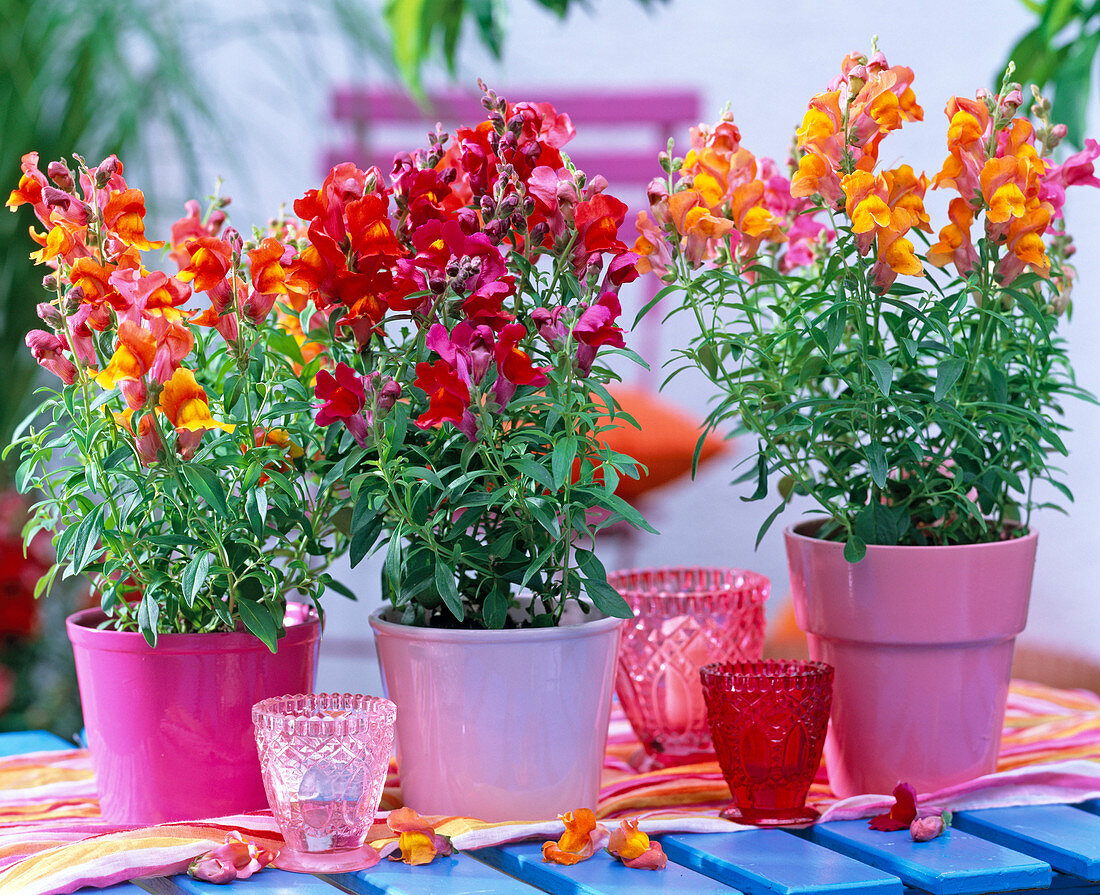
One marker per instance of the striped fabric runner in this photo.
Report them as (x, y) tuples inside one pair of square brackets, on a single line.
[(52, 839)]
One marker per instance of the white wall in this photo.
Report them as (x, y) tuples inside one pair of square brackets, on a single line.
[(765, 60)]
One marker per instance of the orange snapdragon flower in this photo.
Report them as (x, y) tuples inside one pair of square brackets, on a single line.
[(133, 358), (209, 262), (266, 263), (185, 404), (124, 214), (955, 245), (417, 840), (882, 210), (580, 840), (842, 128), (64, 239), (634, 848)]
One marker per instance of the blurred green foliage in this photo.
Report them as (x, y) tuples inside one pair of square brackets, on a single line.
[(420, 28), (1059, 53)]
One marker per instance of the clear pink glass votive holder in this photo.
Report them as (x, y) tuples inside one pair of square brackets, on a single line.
[(768, 720), (684, 618), (324, 759)]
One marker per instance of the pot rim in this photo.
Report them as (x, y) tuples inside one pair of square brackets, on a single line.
[(751, 586), (302, 626), (588, 627), (792, 534)]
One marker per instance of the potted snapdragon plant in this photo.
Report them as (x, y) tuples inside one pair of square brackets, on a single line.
[(177, 466), (907, 383), (467, 303)]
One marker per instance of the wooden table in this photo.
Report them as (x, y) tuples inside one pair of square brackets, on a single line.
[(987, 851)]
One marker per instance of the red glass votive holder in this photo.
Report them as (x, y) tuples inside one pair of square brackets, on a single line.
[(324, 759), (684, 618), (768, 720)]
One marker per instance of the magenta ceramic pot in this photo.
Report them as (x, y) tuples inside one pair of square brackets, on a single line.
[(170, 728), (499, 725), (921, 639)]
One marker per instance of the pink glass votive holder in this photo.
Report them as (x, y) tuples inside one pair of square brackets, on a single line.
[(684, 618), (324, 758), (768, 720)]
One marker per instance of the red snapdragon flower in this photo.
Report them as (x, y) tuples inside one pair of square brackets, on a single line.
[(448, 398), (596, 327), (342, 397)]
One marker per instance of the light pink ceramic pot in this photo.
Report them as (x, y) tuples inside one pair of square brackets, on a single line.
[(499, 725), (921, 639), (170, 728)]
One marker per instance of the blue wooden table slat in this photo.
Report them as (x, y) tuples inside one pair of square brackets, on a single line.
[(458, 874), (267, 882), (18, 742), (1092, 806), (955, 863), (599, 875), (772, 861), (1067, 839)]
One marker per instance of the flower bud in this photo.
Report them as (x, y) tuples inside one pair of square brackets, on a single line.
[(389, 394), (925, 829), (508, 204), (453, 268), (107, 169), (494, 230), (73, 299), (62, 177), (518, 222), (449, 175), (1056, 136), (49, 315), (528, 205), (437, 284), (49, 282), (487, 206)]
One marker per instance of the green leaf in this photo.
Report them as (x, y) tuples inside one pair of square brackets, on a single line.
[(255, 508), (204, 481), (761, 478), (947, 374), (494, 611), (447, 587), (565, 452), (148, 617), (194, 576), (876, 464), (86, 539), (834, 331), (883, 374), (854, 549), (257, 618), (533, 470), (391, 569), (364, 539), (604, 597)]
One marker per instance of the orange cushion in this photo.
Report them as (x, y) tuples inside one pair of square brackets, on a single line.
[(664, 444)]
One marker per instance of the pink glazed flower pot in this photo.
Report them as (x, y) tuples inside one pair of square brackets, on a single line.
[(170, 728), (499, 725), (921, 639)]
